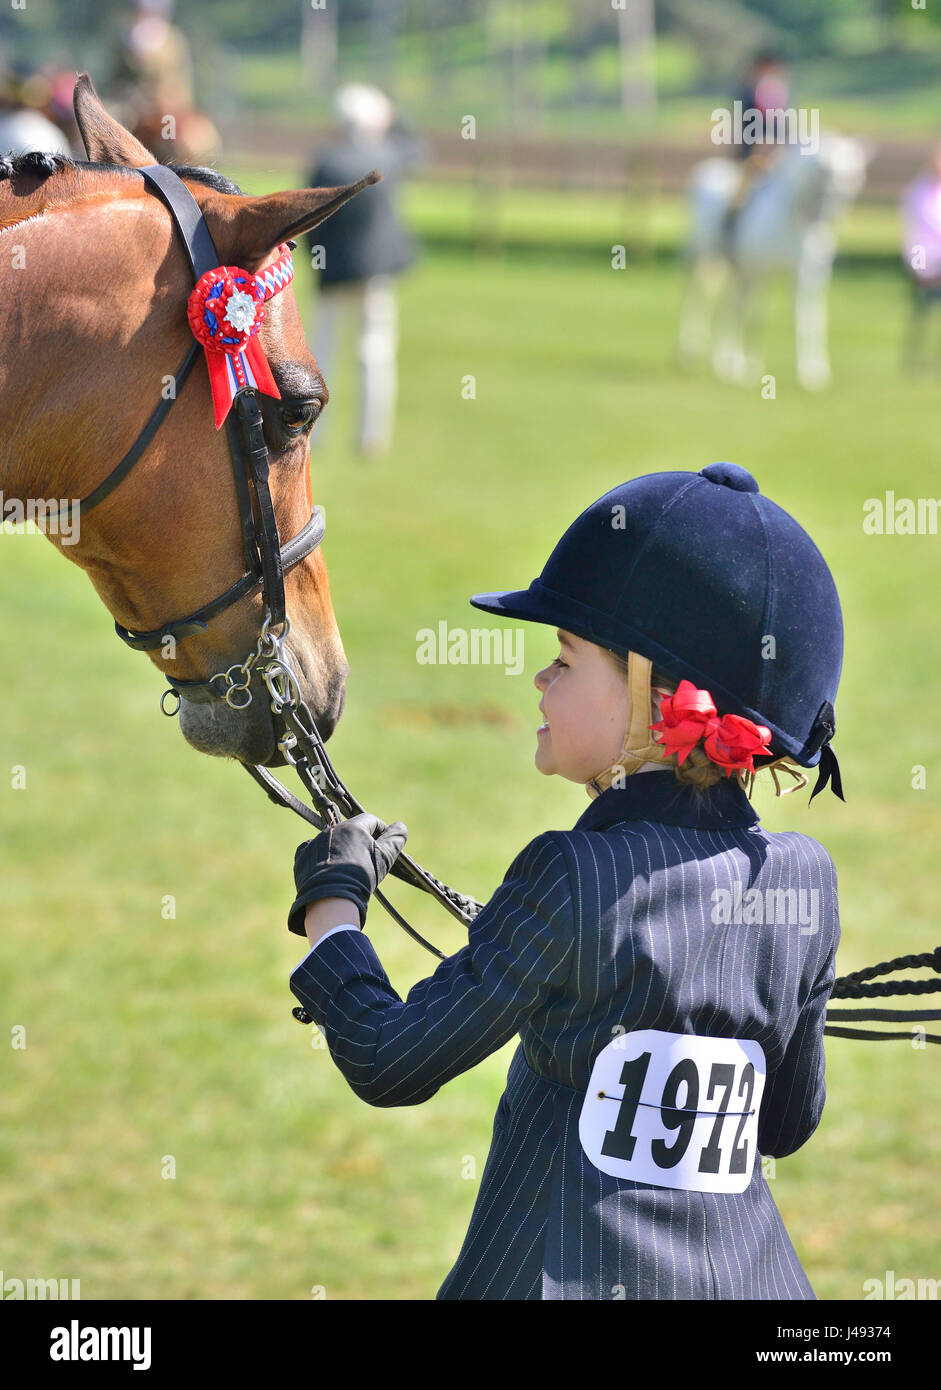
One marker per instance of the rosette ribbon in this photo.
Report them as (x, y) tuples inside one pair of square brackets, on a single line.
[(225, 313), (690, 715)]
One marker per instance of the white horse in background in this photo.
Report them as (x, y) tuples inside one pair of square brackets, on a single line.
[(786, 224)]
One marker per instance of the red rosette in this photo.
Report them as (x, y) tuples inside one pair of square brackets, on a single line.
[(225, 313), (220, 292)]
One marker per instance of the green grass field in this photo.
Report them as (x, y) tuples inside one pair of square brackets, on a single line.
[(150, 1040)]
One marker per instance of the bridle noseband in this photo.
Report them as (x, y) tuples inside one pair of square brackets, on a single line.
[(266, 560)]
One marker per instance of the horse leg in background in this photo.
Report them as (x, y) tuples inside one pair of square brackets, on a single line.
[(697, 311), (377, 350), (751, 310), (728, 357), (712, 187), (811, 286)]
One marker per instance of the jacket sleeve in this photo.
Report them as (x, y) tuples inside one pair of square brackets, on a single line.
[(795, 1092), (399, 1052)]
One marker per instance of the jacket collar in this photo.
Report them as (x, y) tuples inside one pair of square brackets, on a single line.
[(658, 796)]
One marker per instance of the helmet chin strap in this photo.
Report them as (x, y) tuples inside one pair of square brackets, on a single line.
[(639, 747)]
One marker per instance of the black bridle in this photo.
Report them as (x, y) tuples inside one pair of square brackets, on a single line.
[(266, 560)]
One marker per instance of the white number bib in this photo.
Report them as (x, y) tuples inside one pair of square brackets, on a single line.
[(675, 1110)]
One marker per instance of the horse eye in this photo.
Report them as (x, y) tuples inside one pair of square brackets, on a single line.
[(296, 419)]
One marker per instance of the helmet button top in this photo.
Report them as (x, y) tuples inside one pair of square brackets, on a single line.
[(730, 475)]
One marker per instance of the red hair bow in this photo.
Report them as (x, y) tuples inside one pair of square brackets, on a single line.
[(690, 715)]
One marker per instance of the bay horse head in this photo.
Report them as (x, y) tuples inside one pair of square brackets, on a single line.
[(94, 325)]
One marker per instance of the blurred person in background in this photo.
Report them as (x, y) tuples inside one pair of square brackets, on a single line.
[(766, 90), (359, 253), (153, 63), (152, 84), (25, 125), (921, 252)]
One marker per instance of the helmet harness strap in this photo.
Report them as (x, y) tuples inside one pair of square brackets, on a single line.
[(639, 747)]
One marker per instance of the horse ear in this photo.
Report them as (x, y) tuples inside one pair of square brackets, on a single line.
[(247, 230), (105, 139)]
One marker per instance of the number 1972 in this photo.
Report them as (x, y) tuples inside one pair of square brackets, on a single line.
[(619, 1142)]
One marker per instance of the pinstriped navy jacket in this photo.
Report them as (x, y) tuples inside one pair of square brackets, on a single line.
[(608, 927)]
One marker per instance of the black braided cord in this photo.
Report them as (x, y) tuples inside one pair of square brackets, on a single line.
[(857, 985), (853, 986)]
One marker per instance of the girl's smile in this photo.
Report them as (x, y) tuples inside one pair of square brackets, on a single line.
[(586, 709)]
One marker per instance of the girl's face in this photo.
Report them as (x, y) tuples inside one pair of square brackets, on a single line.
[(586, 706)]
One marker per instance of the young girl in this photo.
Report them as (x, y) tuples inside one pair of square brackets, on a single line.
[(667, 962)]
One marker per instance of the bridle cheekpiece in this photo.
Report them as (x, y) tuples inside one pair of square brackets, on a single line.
[(224, 311)]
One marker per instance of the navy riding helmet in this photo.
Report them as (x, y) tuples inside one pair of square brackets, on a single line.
[(715, 584)]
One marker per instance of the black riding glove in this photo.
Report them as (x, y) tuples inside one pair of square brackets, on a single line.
[(349, 860)]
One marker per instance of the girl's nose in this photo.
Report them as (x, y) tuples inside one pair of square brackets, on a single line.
[(540, 678)]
